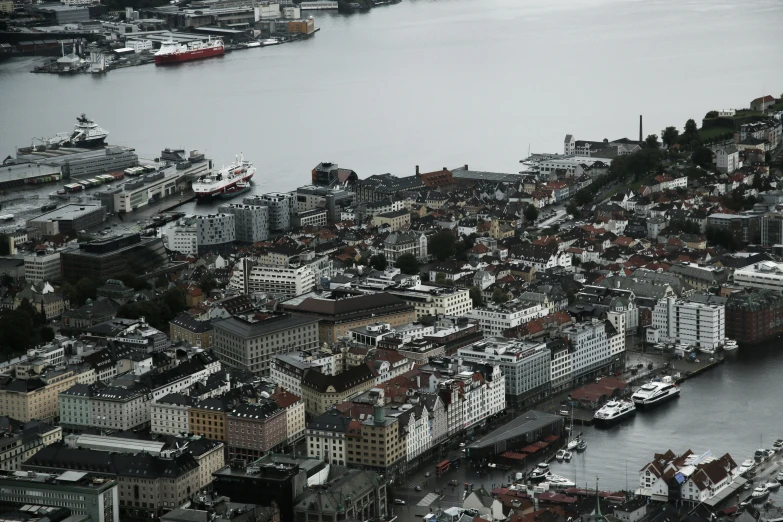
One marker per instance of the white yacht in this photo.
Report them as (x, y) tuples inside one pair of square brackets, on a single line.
[(560, 455), (760, 492), (730, 345), (779, 477), (654, 393), (556, 481), (747, 465), (567, 456), (613, 412), (540, 473), (773, 485)]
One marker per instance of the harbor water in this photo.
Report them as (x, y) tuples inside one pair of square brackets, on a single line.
[(429, 82), (731, 408)]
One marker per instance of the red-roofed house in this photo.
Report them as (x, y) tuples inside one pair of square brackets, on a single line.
[(294, 408)]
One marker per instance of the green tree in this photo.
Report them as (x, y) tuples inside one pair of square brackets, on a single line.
[(174, 299), (531, 213), (5, 246), (6, 281), (442, 245), (408, 264), (86, 288), (711, 115), (702, 157), (427, 320), (378, 262), (499, 296), (207, 283), (768, 157), (16, 332), (573, 209), (70, 293), (669, 136), (440, 278), (691, 127), (652, 141), (46, 334), (476, 296)]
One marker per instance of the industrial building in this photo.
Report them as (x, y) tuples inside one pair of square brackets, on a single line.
[(68, 219), (26, 174), (75, 162), (108, 258)]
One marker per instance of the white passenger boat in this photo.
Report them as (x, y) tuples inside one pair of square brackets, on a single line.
[(654, 393), (730, 345), (613, 412)]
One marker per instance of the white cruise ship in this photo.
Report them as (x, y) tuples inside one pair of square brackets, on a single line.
[(613, 412), (654, 393), (217, 182)]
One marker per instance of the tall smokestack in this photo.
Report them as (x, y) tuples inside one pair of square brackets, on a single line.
[(640, 129)]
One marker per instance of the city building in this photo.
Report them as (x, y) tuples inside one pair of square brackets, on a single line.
[(20, 441), (42, 267), (526, 366), (320, 392), (255, 428), (25, 399), (84, 493), (699, 477), (689, 323), (68, 219), (399, 220), (294, 407), (754, 316), (316, 217), (326, 437), (108, 258), (771, 231), (202, 234), (297, 275), (253, 345), (118, 408), (196, 333), (288, 369), (169, 414), (338, 315), (767, 275), (436, 300), (727, 159), (281, 207), (377, 443), (591, 350), (398, 243), (251, 221), (494, 319), (334, 200), (367, 493)]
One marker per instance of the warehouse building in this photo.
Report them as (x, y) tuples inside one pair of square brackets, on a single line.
[(68, 219), (76, 163), (527, 429)]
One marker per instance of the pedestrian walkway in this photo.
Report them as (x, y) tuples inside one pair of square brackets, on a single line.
[(428, 500)]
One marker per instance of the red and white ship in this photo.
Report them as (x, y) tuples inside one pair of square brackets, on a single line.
[(217, 182), (173, 52)]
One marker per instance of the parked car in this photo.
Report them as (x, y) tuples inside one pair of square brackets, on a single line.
[(399, 501), (417, 488)]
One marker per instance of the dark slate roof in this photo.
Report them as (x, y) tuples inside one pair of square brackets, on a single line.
[(247, 329), (344, 381), (348, 307), (190, 324), (332, 420), (255, 411)]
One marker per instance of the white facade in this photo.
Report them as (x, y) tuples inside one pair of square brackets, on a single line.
[(693, 324), (766, 274), (433, 300), (419, 438), (482, 400), (42, 268), (278, 281), (213, 230), (591, 347), (525, 365), (727, 159), (251, 221), (120, 409), (494, 321), (169, 418), (295, 421), (139, 45), (75, 410)]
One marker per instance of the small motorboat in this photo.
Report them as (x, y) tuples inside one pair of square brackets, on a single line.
[(773, 485), (567, 456), (760, 493), (778, 444), (747, 465), (760, 454), (252, 44), (779, 477), (560, 455), (539, 474), (573, 444), (730, 345), (582, 445), (556, 481), (270, 41)]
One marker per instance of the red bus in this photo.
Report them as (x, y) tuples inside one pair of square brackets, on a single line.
[(443, 467)]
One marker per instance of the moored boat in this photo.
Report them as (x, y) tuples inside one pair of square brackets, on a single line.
[(613, 412), (730, 345), (760, 493), (560, 455), (236, 190), (218, 182), (654, 393), (175, 52)]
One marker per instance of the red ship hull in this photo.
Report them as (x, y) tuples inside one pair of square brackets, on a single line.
[(198, 54), (223, 189)]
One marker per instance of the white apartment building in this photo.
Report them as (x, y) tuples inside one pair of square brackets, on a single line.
[(692, 324), (74, 404), (418, 438), (494, 320), (526, 366), (251, 221), (561, 366), (727, 159), (765, 274), (282, 282), (45, 267), (281, 207), (119, 408), (482, 399), (433, 300), (326, 437), (169, 415), (591, 350)]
